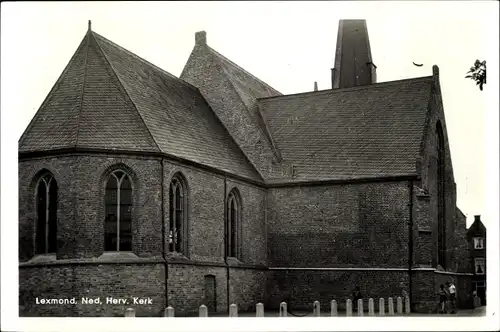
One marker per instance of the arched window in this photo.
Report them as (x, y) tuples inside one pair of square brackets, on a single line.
[(118, 220), (441, 195), (233, 224), (178, 228), (46, 227)]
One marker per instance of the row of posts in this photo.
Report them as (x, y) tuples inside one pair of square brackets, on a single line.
[(233, 308)]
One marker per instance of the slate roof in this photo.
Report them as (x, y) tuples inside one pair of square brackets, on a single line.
[(476, 228), (360, 132), (247, 85), (109, 98)]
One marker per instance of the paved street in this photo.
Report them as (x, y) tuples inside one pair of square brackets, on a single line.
[(481, 311)]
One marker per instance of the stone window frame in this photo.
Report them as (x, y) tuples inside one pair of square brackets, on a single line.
[(233, 225), (178, 215), (478, 240), (134, 187), (479, 261), (47, 178)]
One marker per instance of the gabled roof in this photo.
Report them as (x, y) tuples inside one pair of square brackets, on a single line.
[(360, 132), (109, 98), (477, 227)]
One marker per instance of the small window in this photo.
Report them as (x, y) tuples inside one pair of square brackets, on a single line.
[(479, 263), (478, 243)]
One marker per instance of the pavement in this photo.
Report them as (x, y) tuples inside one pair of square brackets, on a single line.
[(480, 311)]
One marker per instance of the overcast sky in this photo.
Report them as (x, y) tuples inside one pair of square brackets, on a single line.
[(288, 45)]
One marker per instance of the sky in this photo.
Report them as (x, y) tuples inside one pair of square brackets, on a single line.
[(289, 45)]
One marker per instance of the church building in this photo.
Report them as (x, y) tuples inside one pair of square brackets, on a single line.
[(215, 188)]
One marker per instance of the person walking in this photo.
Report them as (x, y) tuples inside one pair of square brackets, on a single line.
[(453, 296), (442, 299)]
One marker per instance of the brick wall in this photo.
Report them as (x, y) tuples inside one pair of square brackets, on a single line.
[(359, 225), (300, 288), (81, 181), (427, 169), (81, 184), (91, 281)]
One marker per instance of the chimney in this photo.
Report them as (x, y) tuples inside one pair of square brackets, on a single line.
[(315, 86), (200, 38), (477, 218)]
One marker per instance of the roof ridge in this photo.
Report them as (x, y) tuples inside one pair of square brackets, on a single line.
[(355, 88), (243, 70), (126, 92), (163, 71), (85, 65)]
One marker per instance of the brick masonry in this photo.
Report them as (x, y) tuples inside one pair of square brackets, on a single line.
[(354, 225), (81, 181), (300, 288)]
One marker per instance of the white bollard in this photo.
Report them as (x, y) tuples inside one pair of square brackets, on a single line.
[(407, 305), (391, 307), (334, 308), (130, 312), (203, 311), (169, 312), (348, 307), (259, 310), (233, 310), (399, 301), (371, 307), (316, 309), (283, 309), (360, 307), (381, 307)]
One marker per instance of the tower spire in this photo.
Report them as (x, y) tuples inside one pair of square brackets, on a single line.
[(353, 58), (90, 25)]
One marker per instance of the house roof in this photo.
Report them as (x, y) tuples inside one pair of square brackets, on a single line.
[(477, 227), (109, 98), (359, 132)]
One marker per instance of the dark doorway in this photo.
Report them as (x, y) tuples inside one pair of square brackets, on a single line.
[(481, 291), (210, 294)]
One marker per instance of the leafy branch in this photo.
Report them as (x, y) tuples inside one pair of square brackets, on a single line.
[(478, 73)]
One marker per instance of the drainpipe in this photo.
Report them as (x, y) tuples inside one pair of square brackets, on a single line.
[(410, 243), (163, 229), (225, 241)]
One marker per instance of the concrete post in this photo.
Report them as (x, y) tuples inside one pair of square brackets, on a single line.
[(283, 310), (259, 310), (233, 310), (360, 307), (334, 308), (130, 312), (381, 307), (399, 301), (348, 307), (371, 307), (407, 305), (316, 309), (203, 311), (169, 312), (391, 307)]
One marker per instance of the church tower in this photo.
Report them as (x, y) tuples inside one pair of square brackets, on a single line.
[(353, 58)]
